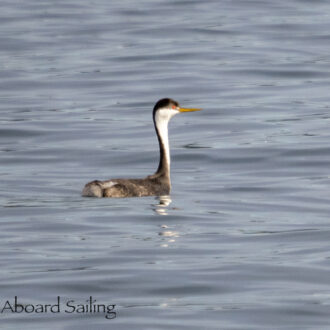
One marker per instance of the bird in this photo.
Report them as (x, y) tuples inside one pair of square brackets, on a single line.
[(157, 184)]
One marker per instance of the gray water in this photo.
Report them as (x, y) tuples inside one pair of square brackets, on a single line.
[(244, 241)]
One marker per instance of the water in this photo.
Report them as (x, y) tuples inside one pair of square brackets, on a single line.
[(244, 242)]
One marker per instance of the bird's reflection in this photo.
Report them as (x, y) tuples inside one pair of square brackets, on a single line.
[(168, 236), (163, 202)]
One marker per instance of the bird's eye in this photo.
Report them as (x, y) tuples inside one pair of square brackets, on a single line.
[(173, 107)]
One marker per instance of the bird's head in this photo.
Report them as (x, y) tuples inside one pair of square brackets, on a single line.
[(166, 108)]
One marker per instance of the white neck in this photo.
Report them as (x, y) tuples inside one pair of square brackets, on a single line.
[(162, 118), (162, 127)]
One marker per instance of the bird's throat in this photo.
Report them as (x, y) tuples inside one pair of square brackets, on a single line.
[(164, 148)]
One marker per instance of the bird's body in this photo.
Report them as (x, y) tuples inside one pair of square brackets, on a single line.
[(149, 186), (158, 184)]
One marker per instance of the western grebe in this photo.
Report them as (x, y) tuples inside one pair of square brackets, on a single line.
[(157, 184)]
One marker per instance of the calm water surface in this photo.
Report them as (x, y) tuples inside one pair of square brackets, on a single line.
[(244, 243)]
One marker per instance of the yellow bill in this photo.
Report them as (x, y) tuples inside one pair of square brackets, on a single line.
[(189, 109)]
